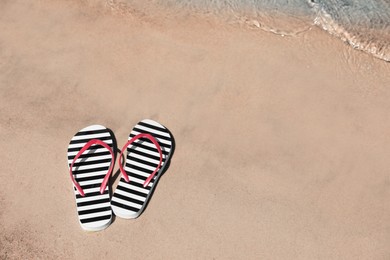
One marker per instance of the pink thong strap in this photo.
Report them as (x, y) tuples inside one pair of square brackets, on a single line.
[(154, 141), (108, 174)]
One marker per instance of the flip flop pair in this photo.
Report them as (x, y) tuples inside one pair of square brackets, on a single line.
[(91, 159)]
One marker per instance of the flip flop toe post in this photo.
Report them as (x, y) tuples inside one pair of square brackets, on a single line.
[(149, 148), (91, 160)]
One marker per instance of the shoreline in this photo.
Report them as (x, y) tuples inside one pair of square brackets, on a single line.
[(278, 22)]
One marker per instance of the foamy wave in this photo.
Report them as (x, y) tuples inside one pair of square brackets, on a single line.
[(365, 25)]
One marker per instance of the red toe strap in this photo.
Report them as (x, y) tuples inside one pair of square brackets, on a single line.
[(154, 141), (85, 147)]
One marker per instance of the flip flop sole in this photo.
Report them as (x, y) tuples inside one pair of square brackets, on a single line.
[(89, 170), (130, 198)]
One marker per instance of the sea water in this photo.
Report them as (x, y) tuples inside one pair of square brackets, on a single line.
[(364, 24)]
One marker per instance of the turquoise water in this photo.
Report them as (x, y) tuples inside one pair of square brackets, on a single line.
[(364, 24)]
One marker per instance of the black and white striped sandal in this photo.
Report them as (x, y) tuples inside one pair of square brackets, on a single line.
[(91, 160), (149, 148)]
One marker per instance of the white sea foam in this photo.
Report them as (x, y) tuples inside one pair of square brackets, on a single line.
[(363, 24)]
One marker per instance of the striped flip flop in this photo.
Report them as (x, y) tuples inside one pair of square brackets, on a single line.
[(91, 160), (149, 148)]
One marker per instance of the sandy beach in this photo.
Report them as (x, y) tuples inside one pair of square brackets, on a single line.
[(282, 143)]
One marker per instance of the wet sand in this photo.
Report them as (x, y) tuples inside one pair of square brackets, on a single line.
[(282, 143)]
